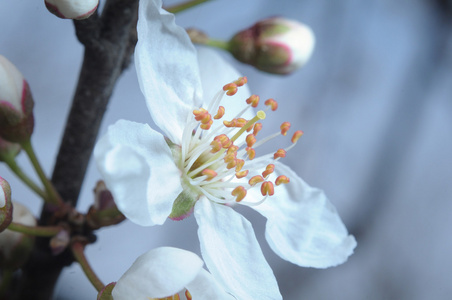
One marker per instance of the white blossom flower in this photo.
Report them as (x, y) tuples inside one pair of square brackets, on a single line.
[(204, 164), (168, 272)]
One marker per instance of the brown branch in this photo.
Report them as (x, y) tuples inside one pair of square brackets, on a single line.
[(109, 41)]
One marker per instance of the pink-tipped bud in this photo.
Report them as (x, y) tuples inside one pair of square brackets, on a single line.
[(274, 45), (16, 247), (72, 9), (16, 104), (6, 208)]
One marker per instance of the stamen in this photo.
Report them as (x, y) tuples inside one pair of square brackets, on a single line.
[(230, 89), (206, 126), (267, 188), (272, 103), (257, 128), (279, 154), (209, 173), (253, 100), (239, 166), (297, 134), (251, 153), (241, 81), (284, 128), (268, 170), (282, 179), (250, 140), (239, 192), (220, 113), (188, 295), (255, 180), (241, 174)]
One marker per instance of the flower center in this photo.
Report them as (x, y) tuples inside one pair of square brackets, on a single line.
[(218, 157)]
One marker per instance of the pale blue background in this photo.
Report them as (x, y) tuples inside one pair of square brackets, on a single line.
[(375, 105)]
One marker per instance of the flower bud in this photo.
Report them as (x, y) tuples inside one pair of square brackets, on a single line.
[(275, 45), (15, 247), (16, 104), (8, 150), (72, 9), (6, 208), (104, 211)]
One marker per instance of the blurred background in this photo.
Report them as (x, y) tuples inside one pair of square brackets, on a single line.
[(375, 103)]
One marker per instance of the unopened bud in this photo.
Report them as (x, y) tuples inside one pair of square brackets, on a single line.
[(6, 208), (15, 247), (8, 150), (275, 45), (16, 104), (72, 9), (104, 211)]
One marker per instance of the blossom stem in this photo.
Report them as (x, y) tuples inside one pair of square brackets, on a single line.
[(45, 231), (79, 254), (25, 179), (218, 44), (52, 195), (184, 6)]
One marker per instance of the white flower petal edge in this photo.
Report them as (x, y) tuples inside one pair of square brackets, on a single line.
[(205, 287), (232, 253), (303, 227), (138, 168), (167, 69), (159, 273)]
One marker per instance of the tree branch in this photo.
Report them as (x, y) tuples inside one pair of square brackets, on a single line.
[(109, 41)]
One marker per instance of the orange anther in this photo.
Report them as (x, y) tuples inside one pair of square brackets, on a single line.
[(284, 128), (267, 188), (239, 192), (206, 126), (224, 140), (296, 135), (209, 173), (216, 146), (206, 119), (240, 164), (231, 123), (230, 160), (220, 113), (251, 153), (279, 153), (241, 81), (253, 100), (241, 122), (282, 179), (232, 149), (272, 103), (255, 180), (176, 297), (250, 140), (241, 174), (257, 128), (188, 295), (230, 89), (268, 170), (200, 114)]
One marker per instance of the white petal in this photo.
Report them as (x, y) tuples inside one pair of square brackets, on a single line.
[(303, 227), (159, 273), (167, 69), (205, 287), (232, 253), (138, 168)]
